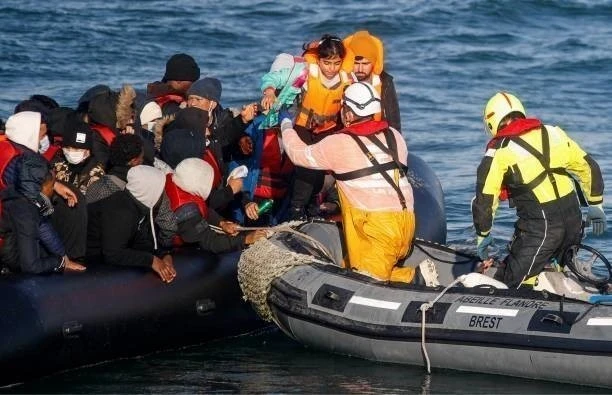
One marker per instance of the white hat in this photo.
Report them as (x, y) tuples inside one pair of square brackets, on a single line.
[(24, 128), (195, 176), (150, 112)]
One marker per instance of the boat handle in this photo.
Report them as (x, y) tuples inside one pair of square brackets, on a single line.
[(553, 318)]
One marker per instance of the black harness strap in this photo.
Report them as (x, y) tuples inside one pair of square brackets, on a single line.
[(378, 168), (544, 159)]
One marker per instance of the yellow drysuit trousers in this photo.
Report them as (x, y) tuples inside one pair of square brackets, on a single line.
[(376, 240)]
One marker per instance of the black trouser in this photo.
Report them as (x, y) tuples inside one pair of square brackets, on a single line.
[(71, 224), (539, 236), (306, 182)]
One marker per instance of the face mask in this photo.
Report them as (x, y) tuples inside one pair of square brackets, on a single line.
[(74, 157), (43, 145)]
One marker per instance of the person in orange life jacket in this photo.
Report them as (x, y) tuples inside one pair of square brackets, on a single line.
[(196, 119), (329, 65), (28, 246), (368, 160), (188, 189), (537, 164), (121, 228), (170, 94), (181, 144), (368, 67), (26, 134), (269, 177)]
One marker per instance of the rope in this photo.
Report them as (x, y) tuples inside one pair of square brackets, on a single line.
[(426, 306)]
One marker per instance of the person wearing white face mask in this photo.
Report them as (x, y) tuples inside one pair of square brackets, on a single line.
[(75, 165)]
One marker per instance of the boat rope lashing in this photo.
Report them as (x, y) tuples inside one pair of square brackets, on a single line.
[(288, 228), (426, 306)]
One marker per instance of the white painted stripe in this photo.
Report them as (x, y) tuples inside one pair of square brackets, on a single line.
[(600, 321), (381, 304), (487, 311)]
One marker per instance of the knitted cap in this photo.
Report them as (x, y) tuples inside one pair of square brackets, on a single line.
[(181, 67), (209, 88)]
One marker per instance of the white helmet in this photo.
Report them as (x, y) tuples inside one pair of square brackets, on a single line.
[(362, 98)]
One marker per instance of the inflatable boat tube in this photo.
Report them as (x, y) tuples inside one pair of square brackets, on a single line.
[(55, 322)]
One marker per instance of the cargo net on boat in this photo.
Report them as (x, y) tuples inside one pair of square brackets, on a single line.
[(266, 260)]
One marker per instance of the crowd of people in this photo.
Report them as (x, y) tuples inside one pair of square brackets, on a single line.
[(129, 175)]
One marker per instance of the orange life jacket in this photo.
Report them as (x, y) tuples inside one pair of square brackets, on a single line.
[(320, 105), (275, 169), (107, 134), (209, 157)]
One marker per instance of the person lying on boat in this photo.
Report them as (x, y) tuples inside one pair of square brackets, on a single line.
[(171, 92), (376, 200), (121, 228), (368, 67), (536, 165), (28, 246)]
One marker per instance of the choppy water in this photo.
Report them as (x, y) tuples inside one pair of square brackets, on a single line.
[(447, 57)]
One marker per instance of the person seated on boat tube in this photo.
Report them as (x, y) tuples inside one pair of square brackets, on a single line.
[(180, 144), (28, 245), (195, 120), (188, 189), (368, 160), (121, 228), (368, 67), (127, 151), (75, 167), (45, 106), (535, 165), (171, 92), (330, 67)]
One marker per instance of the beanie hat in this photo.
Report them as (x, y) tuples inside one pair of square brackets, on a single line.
[(362, 44), (181, 67), (180, 144), (194, 176), (190, 118), (77, 134), (282, 61), (209, 88), (56, 123), (150, 112), (102, 109), (24, 128)]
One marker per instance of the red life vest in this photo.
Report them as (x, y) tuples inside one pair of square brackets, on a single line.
[(107, 134), (209, 157), (365, 128), (51, 151), (515, 128), (168, 98), (8, 151), (275, 169), (179, 198)]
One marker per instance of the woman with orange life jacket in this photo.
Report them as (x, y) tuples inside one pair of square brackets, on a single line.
[(368, 160), (330, 67), (369, 67), (537, 164)]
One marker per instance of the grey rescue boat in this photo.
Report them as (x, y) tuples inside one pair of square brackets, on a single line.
[(295, 280)]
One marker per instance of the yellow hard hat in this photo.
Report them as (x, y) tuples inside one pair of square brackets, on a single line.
[(498, 107)]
